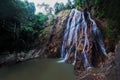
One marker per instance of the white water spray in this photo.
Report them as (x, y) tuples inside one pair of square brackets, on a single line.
[(76, 38)]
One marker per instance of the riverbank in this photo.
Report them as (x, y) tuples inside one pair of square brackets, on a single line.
[(7, 58)]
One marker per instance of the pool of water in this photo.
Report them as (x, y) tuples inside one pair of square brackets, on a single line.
[(38, 69)]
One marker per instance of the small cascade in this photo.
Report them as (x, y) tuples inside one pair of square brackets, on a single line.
[(82, 38)]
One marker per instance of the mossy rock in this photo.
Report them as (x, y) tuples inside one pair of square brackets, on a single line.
[(80, 8)]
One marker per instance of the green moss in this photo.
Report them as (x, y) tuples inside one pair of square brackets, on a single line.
[(80, 8)]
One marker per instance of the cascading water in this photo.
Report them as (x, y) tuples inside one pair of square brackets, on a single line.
[(81, 38)]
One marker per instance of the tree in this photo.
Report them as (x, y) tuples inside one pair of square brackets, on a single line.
[(82, 3), (50, 10), (20, 14), (58, 7), (41, 18), (46, 7), (70, 4), (61, 6)]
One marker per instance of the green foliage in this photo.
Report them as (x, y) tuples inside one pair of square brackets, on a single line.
[(58, 7), (69, 5), (82, 3), (101, 14), (21, 26), (77, 2), (47, 8), (94, 2), (86, 3), (110, 11), (41, 18), (112, 30), (16, 9)]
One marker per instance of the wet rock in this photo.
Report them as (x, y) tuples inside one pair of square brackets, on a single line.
[(7, 58), (52, 47), (110, 69), (117, 55)]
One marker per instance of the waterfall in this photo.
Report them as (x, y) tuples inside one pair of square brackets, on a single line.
[(79, 36)]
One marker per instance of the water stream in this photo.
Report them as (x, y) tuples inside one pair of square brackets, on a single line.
[(38, 69), (82, 37)]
